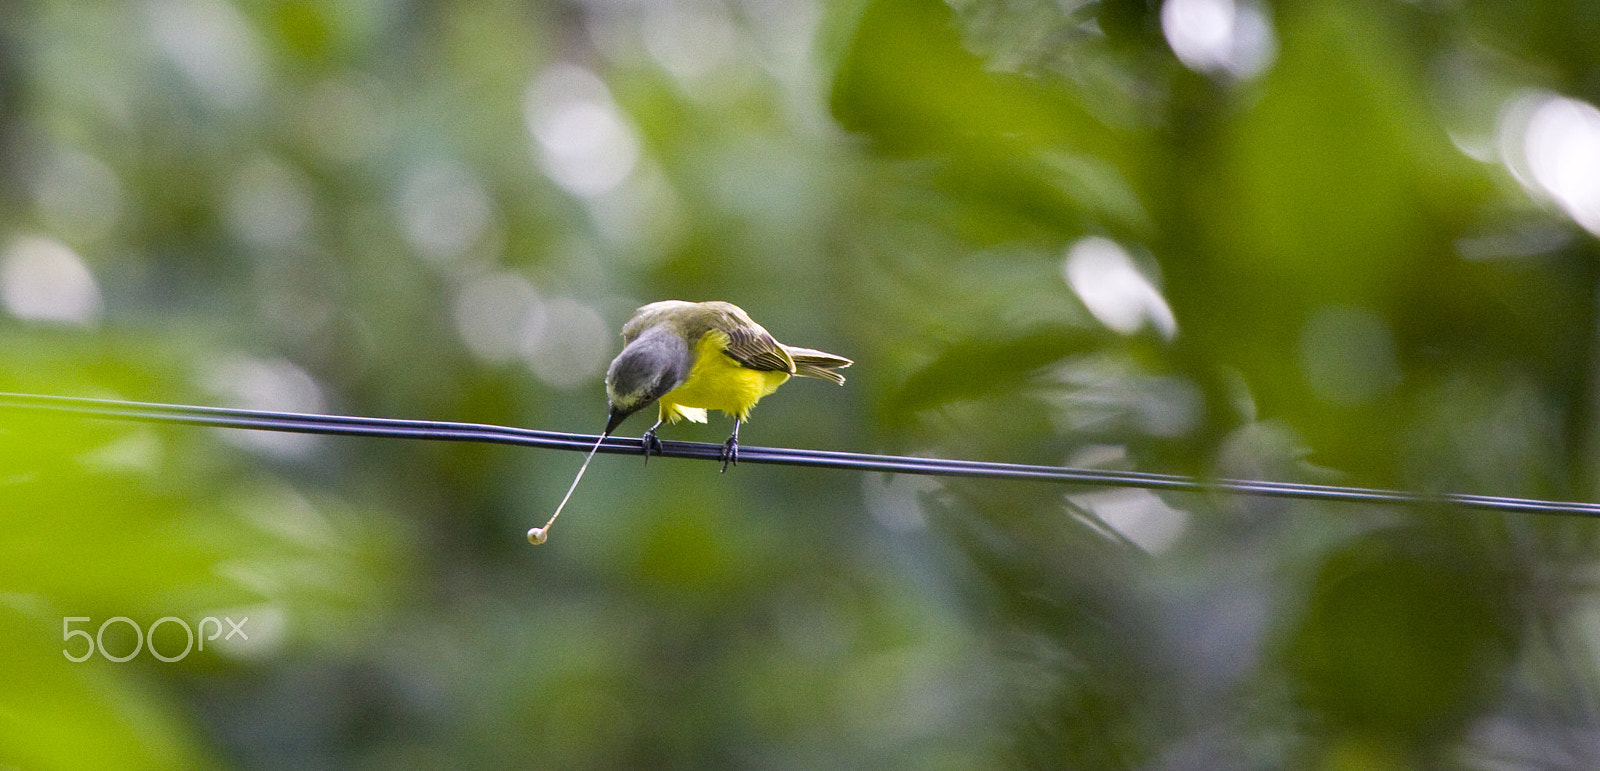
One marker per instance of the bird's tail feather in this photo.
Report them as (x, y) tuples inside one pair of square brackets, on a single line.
[(809, 362)]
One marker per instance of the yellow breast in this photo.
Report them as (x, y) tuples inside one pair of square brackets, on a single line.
[(717, 382)]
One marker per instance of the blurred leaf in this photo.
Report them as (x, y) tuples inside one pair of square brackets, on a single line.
[(1017, 143), (56, 714), (1335, 191), (1066, 614), (907, 81), (1402, 639), (105, 519), (974, 367)]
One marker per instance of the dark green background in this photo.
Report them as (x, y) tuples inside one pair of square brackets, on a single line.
[(360, 207)]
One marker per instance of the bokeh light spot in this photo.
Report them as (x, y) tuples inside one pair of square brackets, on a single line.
[(492, 315), (584, 144), (1551, 144), (567, 344), (42, 279), (1137, 515), (270, 203), (444, 210), (690, 39), (1219, 36), (1114, 290), (266, 384), (214, 45)]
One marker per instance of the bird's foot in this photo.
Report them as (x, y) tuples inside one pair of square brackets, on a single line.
[(651, 444), (730, 453)]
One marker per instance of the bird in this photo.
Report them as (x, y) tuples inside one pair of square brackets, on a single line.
[(689, 358)]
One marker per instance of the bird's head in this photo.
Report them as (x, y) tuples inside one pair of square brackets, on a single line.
[(654, 363)]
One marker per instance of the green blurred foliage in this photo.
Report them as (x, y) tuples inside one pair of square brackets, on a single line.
[(1047, 232)]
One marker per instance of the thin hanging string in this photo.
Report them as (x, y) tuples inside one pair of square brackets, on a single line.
[(343, 425), (538, 535)]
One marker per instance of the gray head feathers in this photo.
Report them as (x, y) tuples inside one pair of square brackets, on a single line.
[(653, 363)]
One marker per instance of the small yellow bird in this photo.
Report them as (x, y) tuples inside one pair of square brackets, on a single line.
[(692, 357)]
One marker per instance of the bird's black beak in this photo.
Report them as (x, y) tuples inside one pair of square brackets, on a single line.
[(617, 416)]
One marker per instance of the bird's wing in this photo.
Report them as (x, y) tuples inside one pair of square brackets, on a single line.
[(754, 348)]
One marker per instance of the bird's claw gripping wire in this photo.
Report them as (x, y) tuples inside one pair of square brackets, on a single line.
[(650, 444), (730, 448)]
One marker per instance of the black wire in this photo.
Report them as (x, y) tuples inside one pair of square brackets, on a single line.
[(345, 425)]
